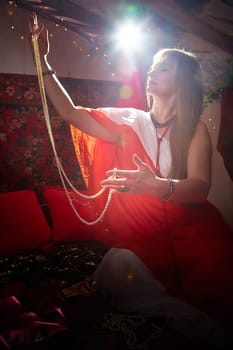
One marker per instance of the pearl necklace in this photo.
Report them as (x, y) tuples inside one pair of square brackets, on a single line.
[(61, 172)]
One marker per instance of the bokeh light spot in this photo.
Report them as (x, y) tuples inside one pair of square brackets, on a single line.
[(125, 92)]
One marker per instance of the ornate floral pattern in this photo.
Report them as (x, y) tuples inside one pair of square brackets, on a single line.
[(26, 157)]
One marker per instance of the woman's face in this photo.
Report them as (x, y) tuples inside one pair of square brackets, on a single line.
[(161, 79)]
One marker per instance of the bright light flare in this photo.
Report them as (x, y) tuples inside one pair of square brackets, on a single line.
[(129, 37)]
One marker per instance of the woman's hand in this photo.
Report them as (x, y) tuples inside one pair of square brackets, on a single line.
[(141, 180), (42, 33)]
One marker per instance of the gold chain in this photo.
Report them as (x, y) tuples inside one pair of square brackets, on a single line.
[(61, 172)]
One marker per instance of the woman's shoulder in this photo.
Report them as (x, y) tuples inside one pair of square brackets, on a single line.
[(123, 111), (124, 115), (201, 133), (202, 129)]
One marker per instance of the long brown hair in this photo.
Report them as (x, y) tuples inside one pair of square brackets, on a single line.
[(189, 106)]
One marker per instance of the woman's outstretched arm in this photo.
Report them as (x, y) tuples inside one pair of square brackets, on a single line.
[(59, 97)]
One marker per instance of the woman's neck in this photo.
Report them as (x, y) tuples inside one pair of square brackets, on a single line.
[(163, 110)]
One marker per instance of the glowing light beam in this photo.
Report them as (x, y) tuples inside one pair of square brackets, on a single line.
[(129, 36)]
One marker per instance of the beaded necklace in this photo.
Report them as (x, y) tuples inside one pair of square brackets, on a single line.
[(159, 125), (63, 177)]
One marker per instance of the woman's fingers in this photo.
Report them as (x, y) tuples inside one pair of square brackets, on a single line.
[(33, 23), (112, 182), (116, 173), (41, 33), (134, 181), (34, 27), (130, 174), (140, 164), (34, 20)]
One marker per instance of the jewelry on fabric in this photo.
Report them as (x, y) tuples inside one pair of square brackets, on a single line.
[(123, 189), (170, 190), (114, 173), (159, 140), (125, 323), (159, 125), (63, 177), (49, 72)]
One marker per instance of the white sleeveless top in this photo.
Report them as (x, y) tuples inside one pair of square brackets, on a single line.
[(142, 125)]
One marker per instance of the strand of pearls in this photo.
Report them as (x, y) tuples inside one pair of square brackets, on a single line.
[(61, 172)]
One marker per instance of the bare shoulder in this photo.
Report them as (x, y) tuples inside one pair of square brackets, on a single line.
[(200, 155), (202, 133), (201, 142), (201, 127)]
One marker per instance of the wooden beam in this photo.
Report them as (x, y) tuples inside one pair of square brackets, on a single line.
[(190, 22)]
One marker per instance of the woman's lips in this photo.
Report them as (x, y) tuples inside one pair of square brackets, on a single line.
[(151, 84)]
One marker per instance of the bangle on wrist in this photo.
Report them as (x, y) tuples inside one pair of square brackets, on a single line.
[(49, 72), (170, 190)]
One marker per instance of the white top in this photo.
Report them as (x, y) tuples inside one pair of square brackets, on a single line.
[(142, 125)]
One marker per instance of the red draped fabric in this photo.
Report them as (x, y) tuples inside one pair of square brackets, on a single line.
[(188, 248)]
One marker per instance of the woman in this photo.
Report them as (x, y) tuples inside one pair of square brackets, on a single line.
[(171, 248)]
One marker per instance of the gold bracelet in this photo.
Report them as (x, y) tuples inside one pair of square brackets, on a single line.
[(170, 191), (49, 72)]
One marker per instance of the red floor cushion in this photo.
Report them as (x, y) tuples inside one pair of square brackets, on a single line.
[(65, 224), (23, 226)]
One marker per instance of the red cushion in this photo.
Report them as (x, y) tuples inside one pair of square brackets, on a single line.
[(66, 226), (23, 224)]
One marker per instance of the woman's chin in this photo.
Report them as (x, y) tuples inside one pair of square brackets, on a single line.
[(151, 90)]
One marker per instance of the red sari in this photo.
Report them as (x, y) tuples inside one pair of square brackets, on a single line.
[(188, 248)]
